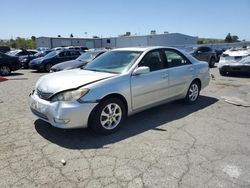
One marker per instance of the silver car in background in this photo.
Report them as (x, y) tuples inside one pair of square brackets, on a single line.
[(117, 84)]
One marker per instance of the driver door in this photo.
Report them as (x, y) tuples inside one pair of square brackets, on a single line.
[(151, 87)]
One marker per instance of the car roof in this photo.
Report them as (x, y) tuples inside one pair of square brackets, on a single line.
[(142, 49)]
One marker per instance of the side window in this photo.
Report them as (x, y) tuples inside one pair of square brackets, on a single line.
[(174, 59), (153, 61), (67, 54), (204, 49), (75, 53), (62, 54), (208, 49)]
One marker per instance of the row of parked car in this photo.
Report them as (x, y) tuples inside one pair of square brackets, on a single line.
[(62, 58), (45, 59)]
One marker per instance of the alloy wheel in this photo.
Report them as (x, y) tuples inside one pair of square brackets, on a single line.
[(4, 70), (111, 116), (193, 92)]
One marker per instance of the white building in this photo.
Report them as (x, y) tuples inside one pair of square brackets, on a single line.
[(168, 39)]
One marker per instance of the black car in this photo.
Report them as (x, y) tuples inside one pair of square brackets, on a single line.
[(52, 58), (8, 64), (25, 60), (4, 49), (205, 53), (79, 62)]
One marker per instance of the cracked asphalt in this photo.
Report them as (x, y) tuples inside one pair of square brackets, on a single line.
[(173, 145)]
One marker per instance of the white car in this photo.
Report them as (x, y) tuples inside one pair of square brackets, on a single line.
[(235, 60)]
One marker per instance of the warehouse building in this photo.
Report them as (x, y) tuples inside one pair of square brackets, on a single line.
[(166, 39)]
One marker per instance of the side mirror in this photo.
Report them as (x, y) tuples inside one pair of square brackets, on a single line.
[(198, 52), (141, 70)]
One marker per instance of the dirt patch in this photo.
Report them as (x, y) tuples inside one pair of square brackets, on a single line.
[(228, 84)]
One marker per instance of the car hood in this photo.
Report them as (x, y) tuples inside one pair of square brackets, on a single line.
[(70, 79), (39, 59), (68, 65)]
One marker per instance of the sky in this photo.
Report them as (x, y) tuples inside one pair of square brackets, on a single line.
[(106, 18)]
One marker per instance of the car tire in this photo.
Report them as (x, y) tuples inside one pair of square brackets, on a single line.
[(193, 92), (5, 70), (223, 73), (212, 62), (108, 116), (47, 67)]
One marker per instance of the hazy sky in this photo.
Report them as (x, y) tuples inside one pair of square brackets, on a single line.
[(203, 18)]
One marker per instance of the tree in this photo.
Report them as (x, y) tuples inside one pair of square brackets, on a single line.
[(33, 38), (59, 36), (20, 43), (228, 38), (71, 35), (235, 38)]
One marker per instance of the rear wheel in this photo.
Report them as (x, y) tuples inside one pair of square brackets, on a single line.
[(5, 70), (212, 62), (47, 67), (193, 92), (223, 73), (108, 116)]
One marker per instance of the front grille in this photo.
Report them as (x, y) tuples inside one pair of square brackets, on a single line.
[(43, 95), (39, 114)]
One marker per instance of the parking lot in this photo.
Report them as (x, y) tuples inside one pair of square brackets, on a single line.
[(173, 145)]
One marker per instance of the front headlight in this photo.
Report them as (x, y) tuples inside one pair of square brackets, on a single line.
[(72, 95)]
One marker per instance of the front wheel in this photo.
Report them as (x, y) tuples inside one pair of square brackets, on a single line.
[(212, 62), (223, 73), (108, 116), (193, 92), (47, 67), (5, 70)]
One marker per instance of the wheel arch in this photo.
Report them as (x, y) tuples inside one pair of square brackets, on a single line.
[(118, 96), (111, 95), (198, 81)]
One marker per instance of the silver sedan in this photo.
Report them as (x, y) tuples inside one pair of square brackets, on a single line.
[(117, 84)]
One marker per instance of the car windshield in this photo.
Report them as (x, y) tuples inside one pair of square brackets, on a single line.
[(87, 56), (52, 54), (114, 61)]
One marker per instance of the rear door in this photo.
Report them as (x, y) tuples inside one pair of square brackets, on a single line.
[(63, 56), (181, 72), (74, 54), (149, 88)]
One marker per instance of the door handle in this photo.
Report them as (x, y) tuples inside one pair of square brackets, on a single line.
[(164, 76), (191, 69)]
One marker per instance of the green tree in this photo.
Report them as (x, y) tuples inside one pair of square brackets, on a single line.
[(33, 38), (228, 38), (59, 36), (71, 35), (235, 38)]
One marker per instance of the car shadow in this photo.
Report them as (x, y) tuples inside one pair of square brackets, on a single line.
[(239, 75), (35, 71), (15, 74), (147, 120)]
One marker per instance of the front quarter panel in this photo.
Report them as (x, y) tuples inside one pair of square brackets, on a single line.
[(119, 84)]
